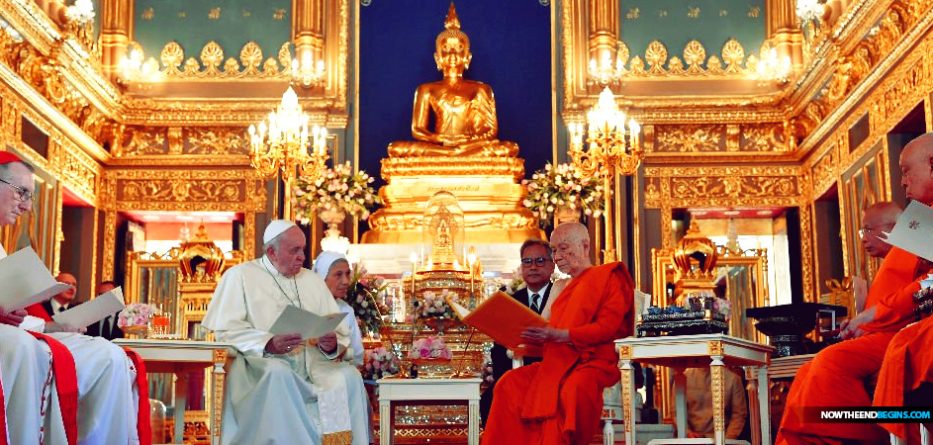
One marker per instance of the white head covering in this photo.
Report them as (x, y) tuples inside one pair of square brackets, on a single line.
[(275, 228), (325, 260)]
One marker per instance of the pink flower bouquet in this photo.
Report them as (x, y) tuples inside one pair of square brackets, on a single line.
[(136, 314), (378, 363), (430, 348)]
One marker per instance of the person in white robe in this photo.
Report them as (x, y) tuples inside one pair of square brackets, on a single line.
[(334, 269), (107, 397), (282, 389)]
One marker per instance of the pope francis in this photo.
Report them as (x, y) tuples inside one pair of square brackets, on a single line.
[(283, 389)]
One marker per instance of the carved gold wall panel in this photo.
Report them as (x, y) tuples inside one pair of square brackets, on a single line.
[(697, 187), (212, 65), (206, 142)]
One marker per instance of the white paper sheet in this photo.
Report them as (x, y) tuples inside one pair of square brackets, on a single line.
[(93, 311), (914, 231), (26, 281), (309, 325)]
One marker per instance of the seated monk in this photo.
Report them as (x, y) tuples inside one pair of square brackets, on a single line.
[(908, 364), (836, 377), (559, 399), (463, 111)]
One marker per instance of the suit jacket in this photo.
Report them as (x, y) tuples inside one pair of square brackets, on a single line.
[(501, 363), (110, 331), (47, 305)]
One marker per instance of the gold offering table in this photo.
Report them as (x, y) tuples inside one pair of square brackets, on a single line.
[(397, 391), (181, 357), (694, 351)]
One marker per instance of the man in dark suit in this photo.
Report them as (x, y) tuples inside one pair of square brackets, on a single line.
[(537, 268), (65, 300), (106, 328)]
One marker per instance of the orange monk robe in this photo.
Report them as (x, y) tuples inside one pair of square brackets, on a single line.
[(559, 400), (908, 363), (836, 377)]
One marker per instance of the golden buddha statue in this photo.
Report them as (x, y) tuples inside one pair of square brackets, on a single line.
[(463, 111), (455, 150)]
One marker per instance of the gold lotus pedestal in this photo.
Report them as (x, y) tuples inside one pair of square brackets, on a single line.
[(488, 189)]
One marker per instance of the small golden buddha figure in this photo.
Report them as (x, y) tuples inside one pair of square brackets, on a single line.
[(463, 111), (444, 230)]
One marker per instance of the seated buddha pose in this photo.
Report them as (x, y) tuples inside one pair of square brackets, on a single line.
[(463, 111)]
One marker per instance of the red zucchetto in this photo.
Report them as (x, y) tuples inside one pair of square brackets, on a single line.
[(7, 157)]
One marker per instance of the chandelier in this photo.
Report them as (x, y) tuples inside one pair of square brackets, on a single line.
[(612, 148), (606, 71), (284, 143), (773, 67), (307, 72)]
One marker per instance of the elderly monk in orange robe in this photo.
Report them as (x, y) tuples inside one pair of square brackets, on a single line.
[(908, 362), (837, 375), (559, 400)]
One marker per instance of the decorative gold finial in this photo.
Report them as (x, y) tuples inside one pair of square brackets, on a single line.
[(452, 21)]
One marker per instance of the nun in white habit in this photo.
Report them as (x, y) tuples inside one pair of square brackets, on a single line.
[(282, 389), (334, 268)]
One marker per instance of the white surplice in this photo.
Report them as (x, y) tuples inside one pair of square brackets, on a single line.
[(107, 396), (275, 398)]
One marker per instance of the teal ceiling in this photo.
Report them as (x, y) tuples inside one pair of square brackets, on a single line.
[(194, 23), (676, 22)]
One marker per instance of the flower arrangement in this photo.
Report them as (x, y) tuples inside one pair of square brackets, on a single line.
[(430, 348), (136, 314), (364, 298), (338, 188), (562, 186), (434, 305), (378, 363)]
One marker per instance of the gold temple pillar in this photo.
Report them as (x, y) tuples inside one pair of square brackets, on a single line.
[(308, 30), (604, 29), (784, 32), (116, 27)]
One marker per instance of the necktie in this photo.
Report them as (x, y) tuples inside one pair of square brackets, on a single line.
[(535, 303), (105, 327)]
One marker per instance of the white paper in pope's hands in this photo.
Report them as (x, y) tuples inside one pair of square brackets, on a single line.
[(310, 325), (914, 231), (26, 281), (93, 311)]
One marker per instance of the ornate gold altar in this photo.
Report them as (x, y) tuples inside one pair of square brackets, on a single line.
[(459, 155)]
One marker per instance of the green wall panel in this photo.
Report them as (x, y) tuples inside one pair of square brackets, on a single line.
[(231, 23), (676, 22)]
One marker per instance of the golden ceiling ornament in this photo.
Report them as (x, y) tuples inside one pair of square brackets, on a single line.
[(212, 65), (694, 55)]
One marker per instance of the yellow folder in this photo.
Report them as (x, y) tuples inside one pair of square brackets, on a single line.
[(503, 318)]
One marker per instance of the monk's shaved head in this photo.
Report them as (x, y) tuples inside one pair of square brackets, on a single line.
[(571, 244), (877, 218), (885, 212), (916, 163)]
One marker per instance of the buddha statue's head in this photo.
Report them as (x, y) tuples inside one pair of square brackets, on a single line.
[(452, 47)]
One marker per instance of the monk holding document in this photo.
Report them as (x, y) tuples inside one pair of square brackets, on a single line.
[(837, 376), (559, 400)]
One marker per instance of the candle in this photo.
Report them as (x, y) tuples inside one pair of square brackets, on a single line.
[(414, 266)]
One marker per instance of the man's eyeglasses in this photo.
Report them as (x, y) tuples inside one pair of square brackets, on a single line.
[(863, 232), (539, 261), (21, 193)]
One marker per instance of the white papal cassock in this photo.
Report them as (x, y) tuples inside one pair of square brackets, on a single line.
[(301, 397), (107, 396)]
